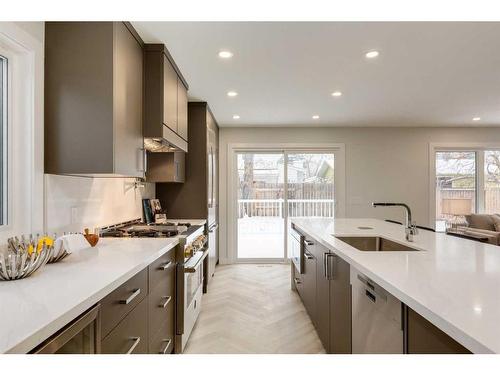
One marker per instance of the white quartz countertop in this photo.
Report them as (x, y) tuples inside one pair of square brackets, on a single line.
[(34, 308), (453, 282)]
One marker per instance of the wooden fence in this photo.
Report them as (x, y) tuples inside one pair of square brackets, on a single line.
[(306, 190), (491, 198)]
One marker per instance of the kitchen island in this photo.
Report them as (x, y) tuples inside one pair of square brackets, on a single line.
[(451, 282), (34, 308)]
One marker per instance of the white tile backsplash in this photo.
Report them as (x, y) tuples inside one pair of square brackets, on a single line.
[(74, 203)]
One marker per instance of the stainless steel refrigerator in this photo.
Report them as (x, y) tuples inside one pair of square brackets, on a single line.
[(213, 199)]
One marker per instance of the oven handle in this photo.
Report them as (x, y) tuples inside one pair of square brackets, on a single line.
[(192, 269)]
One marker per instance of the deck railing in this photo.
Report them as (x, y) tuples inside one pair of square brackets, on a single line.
[(296, 207)]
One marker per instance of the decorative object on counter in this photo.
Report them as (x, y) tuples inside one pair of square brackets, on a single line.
[(24, 256), (74, 242), (91, 238), (153, 213), (147, 211), (60, 252)]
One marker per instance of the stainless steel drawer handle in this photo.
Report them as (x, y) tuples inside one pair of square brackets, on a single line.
[(325, 265), (166, 266), (136, 342), (309, 242), (167, 345), (131, 297), (297, 280), (164, 305), (308, 255), (329, 266)]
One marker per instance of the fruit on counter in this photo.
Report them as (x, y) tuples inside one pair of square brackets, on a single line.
[(91, 238), (45, 240)]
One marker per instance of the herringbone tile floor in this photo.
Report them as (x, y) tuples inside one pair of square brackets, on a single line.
[(251, 309)]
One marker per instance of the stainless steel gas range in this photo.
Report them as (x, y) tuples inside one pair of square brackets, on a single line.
[(190, 256)]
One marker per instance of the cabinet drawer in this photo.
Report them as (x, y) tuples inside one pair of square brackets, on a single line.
[(161, 305), (162, 341), (162, 269), (122, 300), (298, 281), (130, 336)]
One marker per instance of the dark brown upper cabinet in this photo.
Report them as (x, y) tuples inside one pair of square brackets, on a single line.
[(93, 99), (198, 195), (165, 99)]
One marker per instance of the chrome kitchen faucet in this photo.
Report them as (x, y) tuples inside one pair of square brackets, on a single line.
[(410, 227)]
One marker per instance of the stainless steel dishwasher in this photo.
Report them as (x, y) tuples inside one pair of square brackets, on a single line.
[(376, 318)]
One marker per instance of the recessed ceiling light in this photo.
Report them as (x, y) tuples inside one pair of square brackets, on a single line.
[(225, 54), (315, 117), (232, 93), (236, 117), (337, 93), (476, 119), (372, 54)]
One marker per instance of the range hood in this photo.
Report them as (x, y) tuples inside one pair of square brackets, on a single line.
[(170, 142)]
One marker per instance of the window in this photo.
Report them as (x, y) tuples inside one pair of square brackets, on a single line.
[(455, 187), (467, 181), (491, 182), (3, 140)]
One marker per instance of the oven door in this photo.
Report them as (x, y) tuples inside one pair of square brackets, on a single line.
[(295, 243), (193, 280), (193, 290)]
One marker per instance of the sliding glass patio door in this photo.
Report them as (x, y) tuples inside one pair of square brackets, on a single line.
[(261, 188), (273, 188)]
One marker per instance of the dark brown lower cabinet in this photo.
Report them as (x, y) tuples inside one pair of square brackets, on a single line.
[(139, 315), (130, 336), (333, 301), (163, 341), (340, 305), (309, 283), (423, 337), (323, 298), (162, 312), (299, 285)]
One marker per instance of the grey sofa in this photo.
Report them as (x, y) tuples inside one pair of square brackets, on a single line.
[(487, 225)]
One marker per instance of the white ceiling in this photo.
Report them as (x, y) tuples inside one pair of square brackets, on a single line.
[(427, 74)]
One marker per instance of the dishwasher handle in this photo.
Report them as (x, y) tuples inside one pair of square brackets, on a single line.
[(372, 290)]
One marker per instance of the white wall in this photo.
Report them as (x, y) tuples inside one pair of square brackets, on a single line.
[(75, 203), (382, 164)]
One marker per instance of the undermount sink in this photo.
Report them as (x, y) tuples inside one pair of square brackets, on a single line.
[(374, 244)]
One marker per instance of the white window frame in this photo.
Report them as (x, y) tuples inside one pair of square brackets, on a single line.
[(338, 149), (5, 133), (25, 131), (479, 149)]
